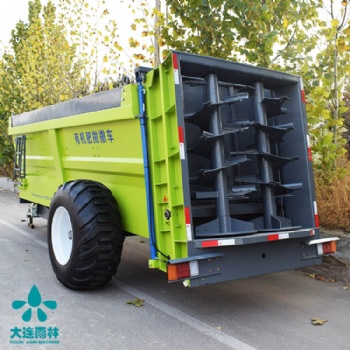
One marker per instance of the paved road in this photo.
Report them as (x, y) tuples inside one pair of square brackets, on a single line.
[(267, 312)]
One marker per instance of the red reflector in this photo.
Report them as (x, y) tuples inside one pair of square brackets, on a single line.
[(208, 244), (329, 247), (317, 221), (178, 271), (303, 96), (309, 154), (175, 62), (273, 237), (187, 215), (181, 134)]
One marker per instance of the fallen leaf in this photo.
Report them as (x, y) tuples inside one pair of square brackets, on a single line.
[(321, 278), (318, 321), (218, 328), (345, 287), (136, 302)]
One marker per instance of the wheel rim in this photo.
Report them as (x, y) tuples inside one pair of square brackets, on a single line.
[(62, 235)]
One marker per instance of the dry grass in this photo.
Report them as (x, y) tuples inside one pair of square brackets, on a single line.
[(333, 201), (6, 171)]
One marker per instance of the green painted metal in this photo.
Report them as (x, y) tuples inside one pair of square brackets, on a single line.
[(54, 157), (58, 151), (166, 170), (106, 146)]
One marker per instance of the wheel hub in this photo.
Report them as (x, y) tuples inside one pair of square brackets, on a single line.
[(62, 235)]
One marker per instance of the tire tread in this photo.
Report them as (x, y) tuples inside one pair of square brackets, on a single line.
[(100, 238)]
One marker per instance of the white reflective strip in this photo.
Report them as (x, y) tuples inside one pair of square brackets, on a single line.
[(301, 84), (189, 232), (319, 249), (182, 151), (323, 240), (308, 141), (315, 208), (176, 76), (283, 236), (194, 270), (227, 242)]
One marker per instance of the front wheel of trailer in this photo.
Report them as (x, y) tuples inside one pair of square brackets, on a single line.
[(84, 234)]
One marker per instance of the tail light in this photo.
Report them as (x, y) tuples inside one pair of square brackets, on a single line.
[(182, 270), (325, 245)]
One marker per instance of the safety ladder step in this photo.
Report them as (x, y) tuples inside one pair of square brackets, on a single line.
[(20, 157)]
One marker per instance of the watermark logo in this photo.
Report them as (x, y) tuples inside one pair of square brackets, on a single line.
[(34, 302), (34, 310)]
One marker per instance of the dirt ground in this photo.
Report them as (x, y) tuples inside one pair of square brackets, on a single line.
[(334, 268)]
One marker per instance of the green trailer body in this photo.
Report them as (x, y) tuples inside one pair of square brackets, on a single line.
[(207, 158)]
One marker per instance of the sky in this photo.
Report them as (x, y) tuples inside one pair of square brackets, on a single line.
[(10, 13)]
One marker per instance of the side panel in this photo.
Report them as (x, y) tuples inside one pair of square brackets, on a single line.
[(104, 146)]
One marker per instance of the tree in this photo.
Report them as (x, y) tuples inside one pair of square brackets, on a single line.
[(41, 69), (59, 54), (285, 35), (6, 148), (274, 34), (95, 35), (327, 94), (258, 32), (147, 26)]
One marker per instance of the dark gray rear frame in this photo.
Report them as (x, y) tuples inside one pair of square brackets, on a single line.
[(255, 146)]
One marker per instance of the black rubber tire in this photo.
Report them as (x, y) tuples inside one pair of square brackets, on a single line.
[(97, 238)]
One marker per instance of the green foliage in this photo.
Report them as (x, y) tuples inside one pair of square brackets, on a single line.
[(56, 56), (259, 32), (40, 69), (326, 149), (146, 28), (94, 34), (284, 35), (326, 104), (41, 60), (6, 147)]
